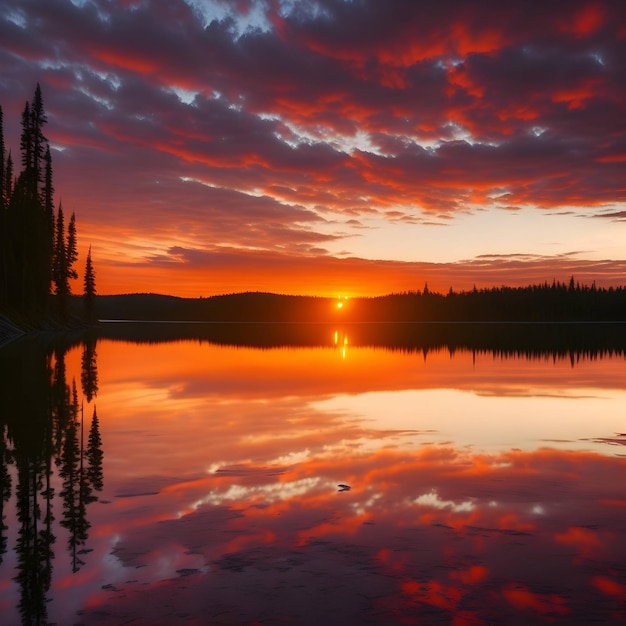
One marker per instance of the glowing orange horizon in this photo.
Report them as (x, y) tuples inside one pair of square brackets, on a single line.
[(329, 276)]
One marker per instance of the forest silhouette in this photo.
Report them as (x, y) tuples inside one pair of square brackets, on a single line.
[(556, 302), (38, 250), (559, 341)]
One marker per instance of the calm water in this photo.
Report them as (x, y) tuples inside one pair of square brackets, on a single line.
[(335, 484)]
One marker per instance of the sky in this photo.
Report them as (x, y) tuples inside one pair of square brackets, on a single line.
[(328, 147)]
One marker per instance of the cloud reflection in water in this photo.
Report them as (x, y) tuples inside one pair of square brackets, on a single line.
[(222, 469)]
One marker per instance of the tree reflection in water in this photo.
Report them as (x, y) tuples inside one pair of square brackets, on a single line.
[(42, 442)]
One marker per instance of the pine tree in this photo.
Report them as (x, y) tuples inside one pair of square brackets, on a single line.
[(70, 249), (60, 274), (3, 223), (43, 228), (89, 293), (2, 164), (64, 259), (26, 139), (39, 141), (48, 197), (8, 183)]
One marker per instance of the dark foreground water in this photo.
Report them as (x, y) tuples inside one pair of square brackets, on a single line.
[(311, 484)]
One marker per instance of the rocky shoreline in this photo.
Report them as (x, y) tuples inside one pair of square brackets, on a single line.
[(10, 331)]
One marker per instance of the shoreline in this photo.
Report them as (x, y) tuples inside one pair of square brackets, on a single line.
[(9, 331)]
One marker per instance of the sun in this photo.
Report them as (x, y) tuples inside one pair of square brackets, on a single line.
[(341, 301)]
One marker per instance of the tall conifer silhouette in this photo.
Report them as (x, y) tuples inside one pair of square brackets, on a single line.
[(70, 249), (60, 272), (3, 223), (2, 161), (89, 292)]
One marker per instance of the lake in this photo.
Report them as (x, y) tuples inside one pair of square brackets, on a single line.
[(336, 481)]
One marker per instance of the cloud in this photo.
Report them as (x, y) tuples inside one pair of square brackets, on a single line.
[(340, 109), (613, 215), (225, 269)]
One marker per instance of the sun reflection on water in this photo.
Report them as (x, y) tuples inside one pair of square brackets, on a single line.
[(340, 340)]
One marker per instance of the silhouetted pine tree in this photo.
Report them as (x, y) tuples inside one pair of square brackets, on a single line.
[(70, 249), (3, 223), (60, 273), (48, 204), (26, 140), (89, 292), (63, 260), (39, 142), (2, 162), (8, 180)]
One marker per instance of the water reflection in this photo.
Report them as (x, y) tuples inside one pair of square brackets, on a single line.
[(340, 342), (574, 341), (482, 489), (44, 467)]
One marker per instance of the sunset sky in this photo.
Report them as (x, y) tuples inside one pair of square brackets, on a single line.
[(330, 146)]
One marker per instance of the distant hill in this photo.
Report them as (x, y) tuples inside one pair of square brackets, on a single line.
[(241, 307), (536, 303)]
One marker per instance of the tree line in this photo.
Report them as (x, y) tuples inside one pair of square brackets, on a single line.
[(38, 250), (555, 302), (546, 302)]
